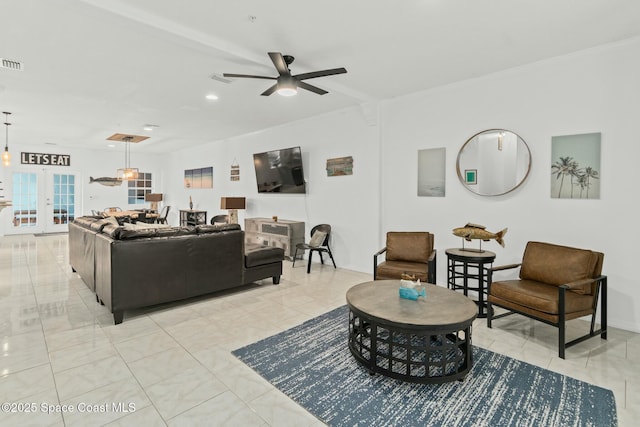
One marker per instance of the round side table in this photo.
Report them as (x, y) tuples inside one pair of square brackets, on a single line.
[(469, 270)]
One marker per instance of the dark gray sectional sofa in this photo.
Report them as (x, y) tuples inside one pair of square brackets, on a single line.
[(133, 268)]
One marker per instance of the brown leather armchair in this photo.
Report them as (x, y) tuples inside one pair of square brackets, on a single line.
[(556, 284), (407, 252)]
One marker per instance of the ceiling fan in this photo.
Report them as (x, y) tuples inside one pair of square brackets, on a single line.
[(287, 84)]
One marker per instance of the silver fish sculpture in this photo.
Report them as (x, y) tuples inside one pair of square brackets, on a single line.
[(105, 180), (475, 231)]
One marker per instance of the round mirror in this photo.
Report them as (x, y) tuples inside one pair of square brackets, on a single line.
[(493, 162)]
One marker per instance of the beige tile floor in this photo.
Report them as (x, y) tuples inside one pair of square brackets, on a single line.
[(172, 364)]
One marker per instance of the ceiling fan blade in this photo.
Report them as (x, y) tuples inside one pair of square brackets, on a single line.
[(313, 89), (314, 74), (248, 76), (270, 90), (279, 62)]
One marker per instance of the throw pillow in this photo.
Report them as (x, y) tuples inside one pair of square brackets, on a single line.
[(112, 220), (317, 239)]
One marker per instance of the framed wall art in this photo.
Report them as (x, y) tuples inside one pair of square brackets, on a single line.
[(340, 166), (431, 172), (575, 166), (234, 174), (198, 178), (471, 176)]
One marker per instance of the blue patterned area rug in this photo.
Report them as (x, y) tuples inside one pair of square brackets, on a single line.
[(311, 364)]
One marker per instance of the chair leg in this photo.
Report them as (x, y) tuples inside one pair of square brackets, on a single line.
[(603, 309), (489, 314), (294, 258), (309, 264), (321, 258), (561, 322), (331, 256)]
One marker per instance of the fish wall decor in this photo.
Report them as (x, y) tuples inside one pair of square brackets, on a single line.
[(105, 180), (474, 231)]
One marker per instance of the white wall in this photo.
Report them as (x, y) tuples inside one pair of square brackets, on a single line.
[(349, 203), (86, 163), (593, 91)]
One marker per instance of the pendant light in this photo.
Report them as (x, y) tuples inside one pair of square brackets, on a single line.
[(6, 156), (127, 173)]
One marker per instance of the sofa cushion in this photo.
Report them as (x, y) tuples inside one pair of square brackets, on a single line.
[(85, 221), (205, 228), (539, 296), (112, 230), (113, 220), (174, 231), (140, 233), (143, 225), (98, 225), (255, 255), (128, 234), (557, 265), (408, 246)]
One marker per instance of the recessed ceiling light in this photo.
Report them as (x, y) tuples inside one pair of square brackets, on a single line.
[(150, 127), (111, 145), (211, 97)]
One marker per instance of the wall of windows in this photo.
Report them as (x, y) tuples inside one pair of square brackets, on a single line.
[(138, 188)]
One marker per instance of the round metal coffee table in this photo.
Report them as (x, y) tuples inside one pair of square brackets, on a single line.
[(423, 341)]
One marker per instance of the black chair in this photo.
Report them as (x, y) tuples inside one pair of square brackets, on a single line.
[(141, 217), (317, 246), (217, 219), (162, 218)]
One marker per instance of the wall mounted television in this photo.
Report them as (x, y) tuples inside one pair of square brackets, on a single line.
[(280, 171)]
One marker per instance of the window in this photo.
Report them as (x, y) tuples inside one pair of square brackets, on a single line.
[(63, 198), (25, 199), (138, 188)]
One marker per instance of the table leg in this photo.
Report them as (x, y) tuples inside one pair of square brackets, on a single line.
[(465, 279), (481, 311)]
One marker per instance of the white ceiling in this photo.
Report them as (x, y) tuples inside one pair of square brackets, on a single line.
[(96, 67)]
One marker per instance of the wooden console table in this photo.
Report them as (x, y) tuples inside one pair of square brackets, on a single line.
[(192, 217), (283, 233)]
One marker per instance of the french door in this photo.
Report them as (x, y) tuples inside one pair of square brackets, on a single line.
[(44, 201)]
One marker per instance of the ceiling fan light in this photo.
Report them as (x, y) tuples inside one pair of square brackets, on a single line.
[(287, 91), (287, 88)]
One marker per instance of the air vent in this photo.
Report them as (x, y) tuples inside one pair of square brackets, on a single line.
[(220, 78), (11, 65)]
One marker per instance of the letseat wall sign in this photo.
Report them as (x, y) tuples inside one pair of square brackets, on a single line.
[(45, 159)]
